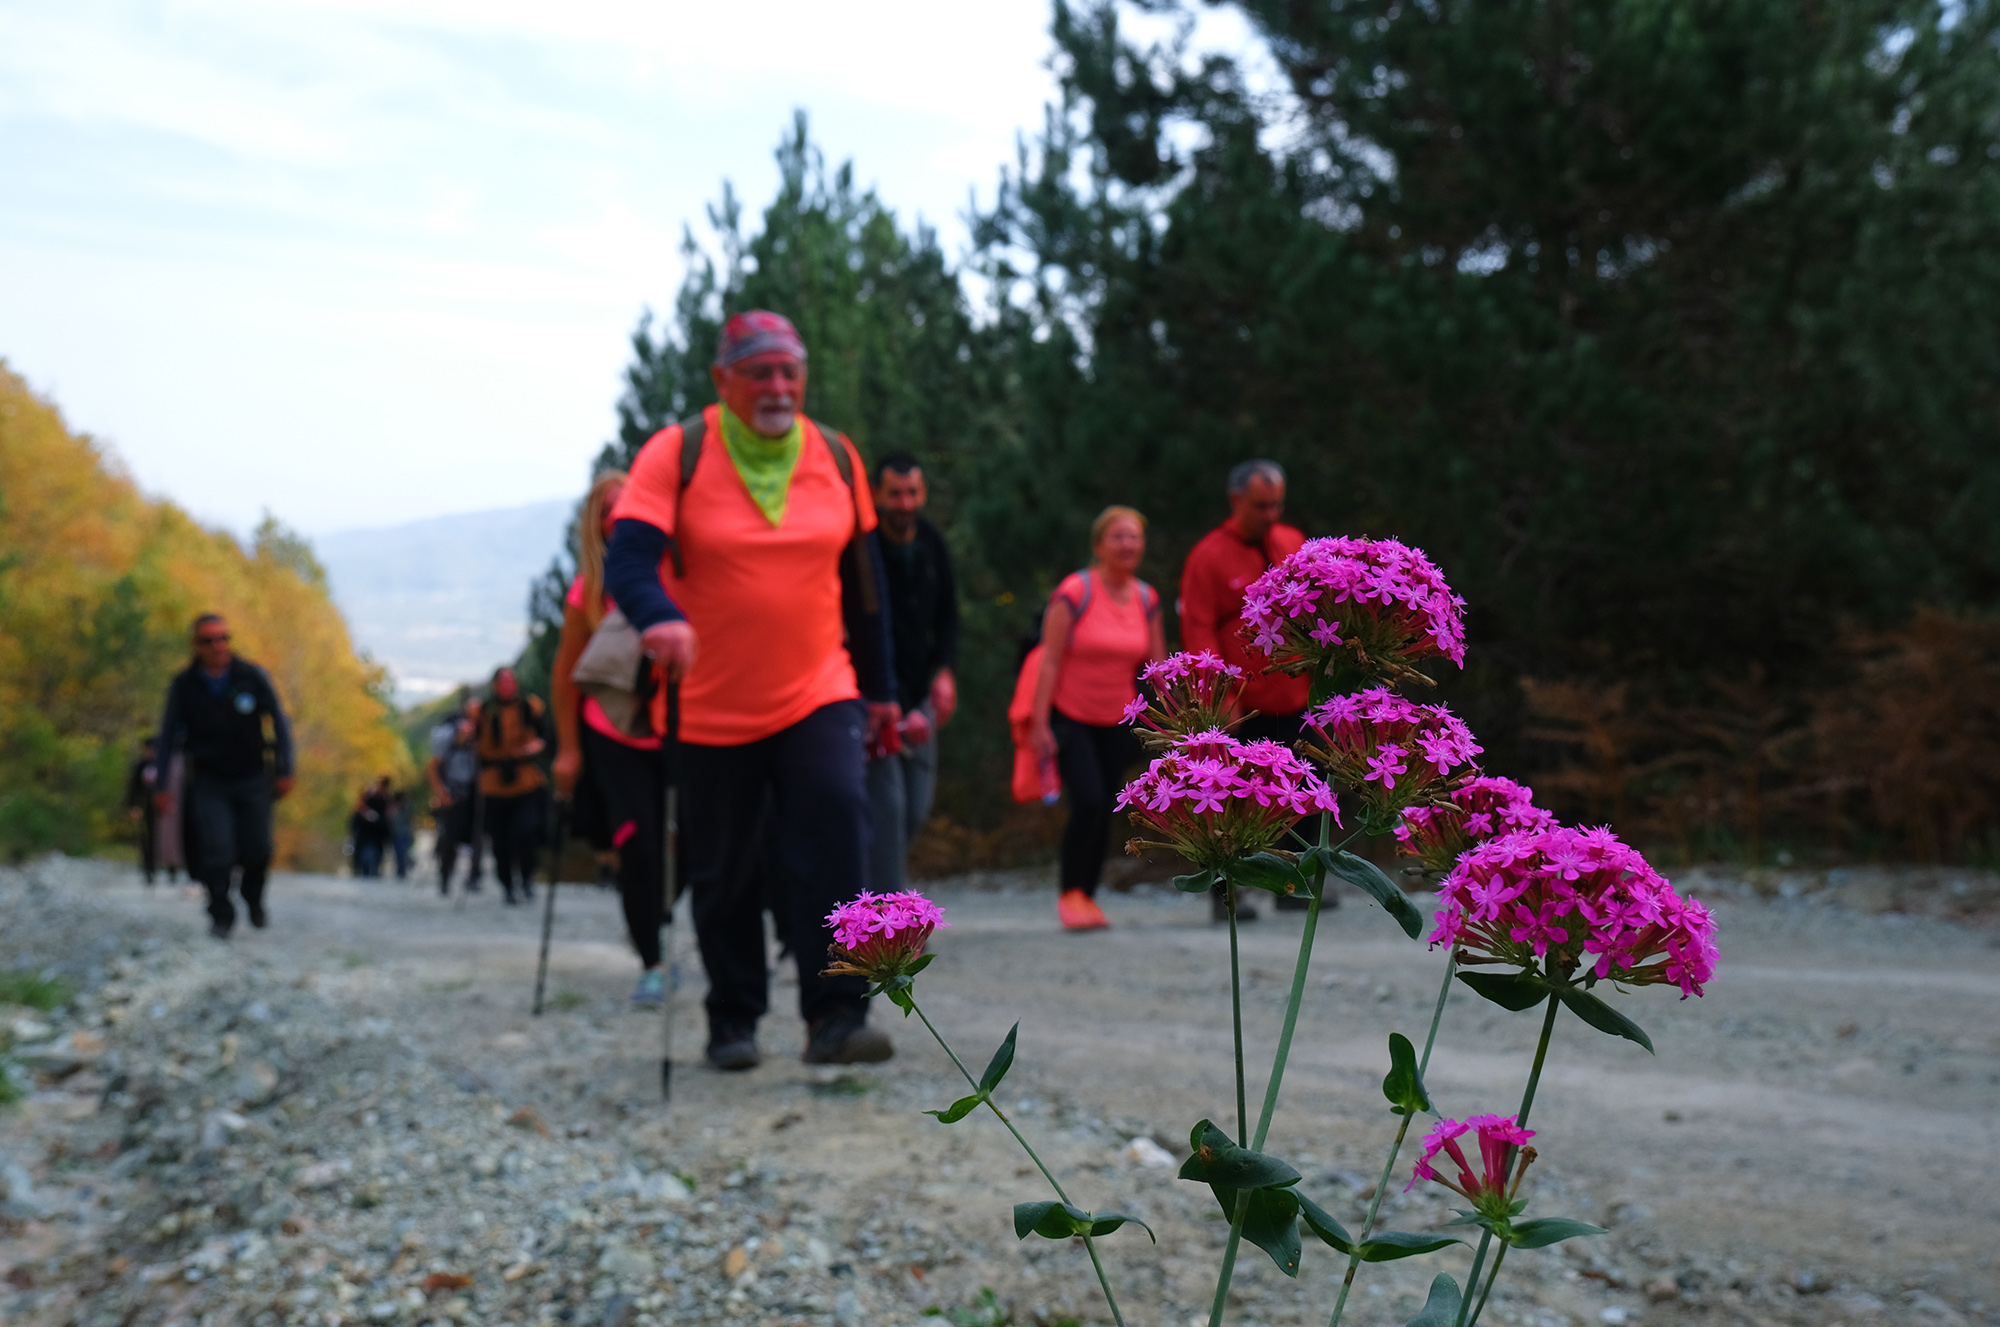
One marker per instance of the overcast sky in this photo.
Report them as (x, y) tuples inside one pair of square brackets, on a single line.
[(360, 261)]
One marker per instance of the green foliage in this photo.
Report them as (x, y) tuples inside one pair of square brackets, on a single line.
[(1440, 1306), (34, 990), (1404, 1085), (1668, 329)]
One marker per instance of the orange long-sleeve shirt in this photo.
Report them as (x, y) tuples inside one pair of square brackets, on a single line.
[(1218, 570)]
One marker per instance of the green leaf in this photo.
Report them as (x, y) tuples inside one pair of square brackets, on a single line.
[(1441, 1308), (900, 997), (922, 962), (1266, 871), (1059, 1220), (1602, 1016), (1110, 1221), (1051, 1219), (1367, 877), (1321, 1223), (1510, 990), (959, 1109), (1390, 1245), (1218, 1161), (1404, 1086), (1002, 1061), (1198, 883), (1272, 1224), (1547, 1230)]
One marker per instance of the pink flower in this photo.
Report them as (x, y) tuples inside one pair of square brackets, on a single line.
[(1492, 1190), (1477, 810), (1366, 741), (1349, 611), (1192, 692), (1561, 899), (1212, 798), (881, 936)]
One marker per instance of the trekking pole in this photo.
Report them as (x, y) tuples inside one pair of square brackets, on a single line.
[(671, 835), (549, 904)]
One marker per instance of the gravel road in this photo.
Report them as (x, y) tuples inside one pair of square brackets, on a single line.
[(352, 1118)]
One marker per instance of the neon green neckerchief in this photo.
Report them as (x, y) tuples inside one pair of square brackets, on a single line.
[(766, 464)]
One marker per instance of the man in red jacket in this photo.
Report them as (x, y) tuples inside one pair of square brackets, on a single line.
[(1218, 570)]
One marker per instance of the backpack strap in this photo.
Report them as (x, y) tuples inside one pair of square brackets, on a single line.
[(693, 432), (856, 553)]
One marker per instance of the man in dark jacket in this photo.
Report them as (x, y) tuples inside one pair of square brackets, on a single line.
[(217, 711), (923, 633)]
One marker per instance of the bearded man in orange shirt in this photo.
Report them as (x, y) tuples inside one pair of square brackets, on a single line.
[(753, 577)]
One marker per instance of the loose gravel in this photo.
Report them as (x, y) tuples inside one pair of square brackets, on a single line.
[(351, 1118)]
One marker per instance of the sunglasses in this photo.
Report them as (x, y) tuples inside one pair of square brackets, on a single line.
[(211, 640)]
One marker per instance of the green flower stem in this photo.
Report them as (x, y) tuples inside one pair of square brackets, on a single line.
[(1491, 1277), (1236, 1015), (1089, 1244), (1229, 1258), (1374, 1206), (1402, 1131), (1478, 1261), (1541, 1055), (1437, 1014), (1521, 1118), (1291, 1024)]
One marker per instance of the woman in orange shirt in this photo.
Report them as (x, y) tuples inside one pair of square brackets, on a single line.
[(1102, 625)]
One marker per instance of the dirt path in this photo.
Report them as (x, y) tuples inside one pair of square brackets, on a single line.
[(305, 1124)]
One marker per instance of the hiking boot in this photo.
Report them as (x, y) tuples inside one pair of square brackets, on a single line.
[(733, 1048), (217, 931), (258, 918), (1296, 903), (1078, 911), (1218, 908), (846, 1038), (651, 992)]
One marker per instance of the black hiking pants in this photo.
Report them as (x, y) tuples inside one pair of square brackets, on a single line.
[(514, 828), (816, 773), (232, 824), (1092, 759), (631, 788)]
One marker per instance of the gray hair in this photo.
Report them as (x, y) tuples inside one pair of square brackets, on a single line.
[(1241, 475)]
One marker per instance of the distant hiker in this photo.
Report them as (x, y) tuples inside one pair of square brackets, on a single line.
[(1102, 624), (743, 587), (368, 827), (453, 772), (512, 731), (923, 632), (1217, 571), (144, 784), (402, 837), (626, 774), (218, 711)]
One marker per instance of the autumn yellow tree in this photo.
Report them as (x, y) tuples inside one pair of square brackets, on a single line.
[(97, 587)]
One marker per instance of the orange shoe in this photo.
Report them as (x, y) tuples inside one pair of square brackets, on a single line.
[(1078, 911)]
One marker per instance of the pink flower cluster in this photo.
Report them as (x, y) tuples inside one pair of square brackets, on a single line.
[(1491, 1191), (1559, 896), (1390, 751), (1479, 809), (1212, 798), (1192, 693), (1354, 609), (880, 936)]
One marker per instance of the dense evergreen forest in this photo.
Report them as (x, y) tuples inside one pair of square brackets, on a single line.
[(1668, 328)]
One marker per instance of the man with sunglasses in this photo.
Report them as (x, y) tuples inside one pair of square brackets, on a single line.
[(217, 712)]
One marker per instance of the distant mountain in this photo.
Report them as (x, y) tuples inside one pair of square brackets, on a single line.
[(445, 600)]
